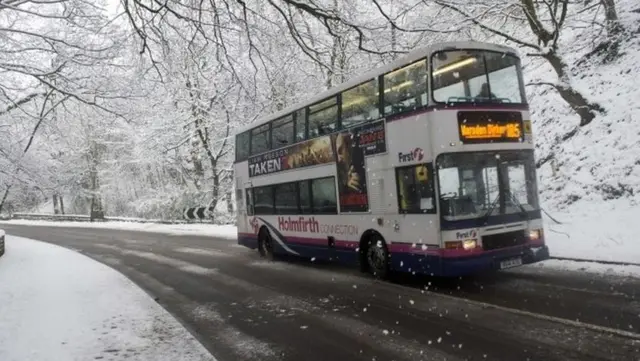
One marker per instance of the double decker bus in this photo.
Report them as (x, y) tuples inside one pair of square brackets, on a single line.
[(425, 165)]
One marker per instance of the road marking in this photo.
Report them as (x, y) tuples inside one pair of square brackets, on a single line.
[(168, 261), (564, 321), (202, 252)]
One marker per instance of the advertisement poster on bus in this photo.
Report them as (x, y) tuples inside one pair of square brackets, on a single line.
[(351, 148), (313, 152)]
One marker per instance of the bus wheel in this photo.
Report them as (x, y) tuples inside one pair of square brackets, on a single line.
[(377, 257), (265, 244)]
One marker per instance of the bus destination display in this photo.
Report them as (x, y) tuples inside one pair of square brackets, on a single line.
[(490, 127)]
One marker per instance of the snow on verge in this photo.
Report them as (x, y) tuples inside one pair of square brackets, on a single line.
[(591, 267), (56, 304), (596, 231), (198, 229)]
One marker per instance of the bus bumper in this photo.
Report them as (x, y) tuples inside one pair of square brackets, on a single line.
[(472, 264), (493, 261)]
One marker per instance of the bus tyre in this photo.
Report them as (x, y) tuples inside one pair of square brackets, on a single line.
[(265, 244), (377, 257)]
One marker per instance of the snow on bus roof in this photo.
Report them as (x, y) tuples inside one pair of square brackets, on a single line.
[(408, 58)]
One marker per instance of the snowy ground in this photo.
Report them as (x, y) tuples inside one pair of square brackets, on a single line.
[(56, 304), (212, 230), (598, 231), (591, 267)]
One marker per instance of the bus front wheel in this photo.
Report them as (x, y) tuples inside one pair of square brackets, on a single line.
[(377, 257), (265, 244)]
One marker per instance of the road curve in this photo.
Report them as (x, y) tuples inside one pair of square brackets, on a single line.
[(244, 308)]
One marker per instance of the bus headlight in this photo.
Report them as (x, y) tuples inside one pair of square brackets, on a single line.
[(469, 244), (535, 234)]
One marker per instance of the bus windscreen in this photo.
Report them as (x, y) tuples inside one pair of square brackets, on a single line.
[(476, 76), (499, 182)]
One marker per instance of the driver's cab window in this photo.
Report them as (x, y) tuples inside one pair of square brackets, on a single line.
[(415, 189), (449, 182)]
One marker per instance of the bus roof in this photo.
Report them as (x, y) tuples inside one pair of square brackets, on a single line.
[(404, 60)]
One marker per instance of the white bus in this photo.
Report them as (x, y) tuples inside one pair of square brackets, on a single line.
[(425, 165)]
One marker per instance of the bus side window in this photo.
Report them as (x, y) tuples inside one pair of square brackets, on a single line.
[(305, 197), (360, 104), (264, 200), (301, 124), (260, 139), (323, 193), (323, 117), (282, 132), (286, 198), (415, 189), (242, 146)]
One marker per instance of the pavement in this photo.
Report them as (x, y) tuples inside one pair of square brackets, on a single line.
[(241, 307)]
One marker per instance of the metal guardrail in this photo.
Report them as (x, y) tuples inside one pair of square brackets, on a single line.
[(86, 218)]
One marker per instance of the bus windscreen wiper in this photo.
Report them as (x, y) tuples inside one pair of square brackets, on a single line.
[(492, 206), (517, 203)]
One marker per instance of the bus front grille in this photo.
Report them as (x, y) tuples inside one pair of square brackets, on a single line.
[(503, 240)]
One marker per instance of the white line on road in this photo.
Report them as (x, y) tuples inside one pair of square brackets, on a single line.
[(540, 316)]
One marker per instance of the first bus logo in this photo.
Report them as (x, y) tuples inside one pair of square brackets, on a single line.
[(414, 155)]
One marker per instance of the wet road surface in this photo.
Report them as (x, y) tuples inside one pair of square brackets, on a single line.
[(242, 307)]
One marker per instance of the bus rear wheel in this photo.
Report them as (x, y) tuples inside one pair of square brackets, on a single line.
[(265, 244), (377, 257)]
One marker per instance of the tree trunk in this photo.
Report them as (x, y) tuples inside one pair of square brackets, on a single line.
[(62, 205), (611, 15), (229, 202), (216, 183), (97, 210), (56, 208), (585, 109), (4, 197)]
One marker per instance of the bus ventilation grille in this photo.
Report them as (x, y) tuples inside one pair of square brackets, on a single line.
[(503, 240)]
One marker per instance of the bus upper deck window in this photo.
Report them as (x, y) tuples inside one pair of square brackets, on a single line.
[(360, 104), (323, 117), (405, 88)]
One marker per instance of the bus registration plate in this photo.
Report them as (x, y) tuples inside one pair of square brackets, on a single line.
[(513, 262)]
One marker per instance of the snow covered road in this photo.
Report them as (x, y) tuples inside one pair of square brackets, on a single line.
[(246, 309), (56, 304)]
